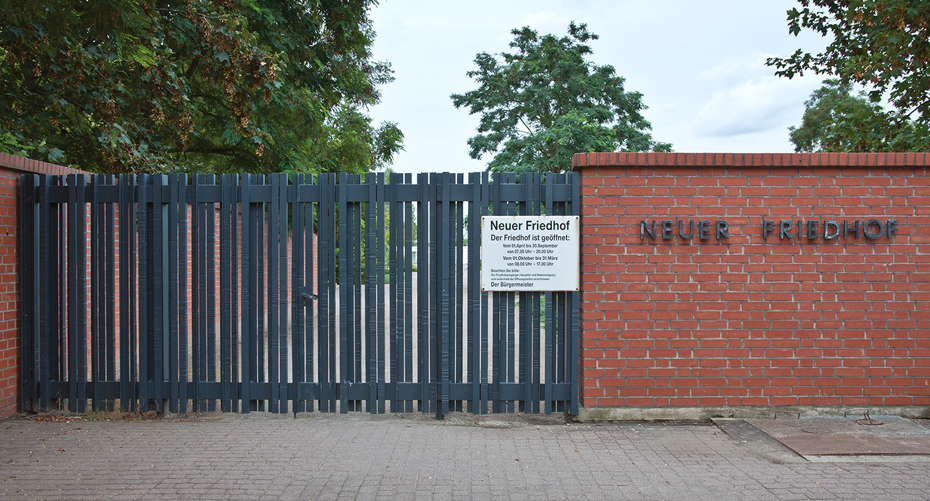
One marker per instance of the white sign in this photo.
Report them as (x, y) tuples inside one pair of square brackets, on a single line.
[(530, 253)]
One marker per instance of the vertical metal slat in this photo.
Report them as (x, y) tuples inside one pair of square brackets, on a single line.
[(30, 300), (173, 354)]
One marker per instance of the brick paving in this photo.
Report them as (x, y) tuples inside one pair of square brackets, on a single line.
[(321, 457)]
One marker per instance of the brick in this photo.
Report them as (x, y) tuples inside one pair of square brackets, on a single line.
[(840, 297)]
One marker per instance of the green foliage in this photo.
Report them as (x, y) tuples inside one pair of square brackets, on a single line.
[(545, 102), (883, 45), (350, 139), (219, 85), (13, 144), (837, 120)]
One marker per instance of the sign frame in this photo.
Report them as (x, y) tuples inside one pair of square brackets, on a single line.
[(531, 253)]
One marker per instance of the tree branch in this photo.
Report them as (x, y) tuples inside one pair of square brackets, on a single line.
[(190, 71), (219, 151), (908, 114)]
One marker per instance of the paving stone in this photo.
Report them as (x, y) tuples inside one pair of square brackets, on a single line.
[(399, 457)]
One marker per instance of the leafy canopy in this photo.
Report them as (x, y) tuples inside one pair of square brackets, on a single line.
[(883, 45), (837, 120), (148, 85), (545, 102)]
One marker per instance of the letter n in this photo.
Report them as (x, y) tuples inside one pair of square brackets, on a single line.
[(644, 230)]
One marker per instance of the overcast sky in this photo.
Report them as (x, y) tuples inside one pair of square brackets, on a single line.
[(699, 65)]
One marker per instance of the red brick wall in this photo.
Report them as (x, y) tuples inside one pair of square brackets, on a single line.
[(11, 167), (745, 322)]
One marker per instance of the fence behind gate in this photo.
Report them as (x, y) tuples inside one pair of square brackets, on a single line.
[(286, 293)]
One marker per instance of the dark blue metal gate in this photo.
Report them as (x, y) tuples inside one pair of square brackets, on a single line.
[(286, 293)]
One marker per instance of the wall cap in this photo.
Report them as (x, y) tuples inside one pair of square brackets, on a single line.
[(582, 160), (28, 165)]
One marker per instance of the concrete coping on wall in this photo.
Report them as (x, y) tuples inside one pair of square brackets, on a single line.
[(583, 160)]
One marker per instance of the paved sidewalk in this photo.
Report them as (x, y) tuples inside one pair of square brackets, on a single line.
[(401, 457)]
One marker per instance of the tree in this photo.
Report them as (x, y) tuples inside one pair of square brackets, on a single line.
[(544, 102), (350, 139), (220, 85), (883, 45), (837, 120)]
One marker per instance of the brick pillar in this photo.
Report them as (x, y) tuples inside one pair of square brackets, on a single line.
[(779, 304)]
